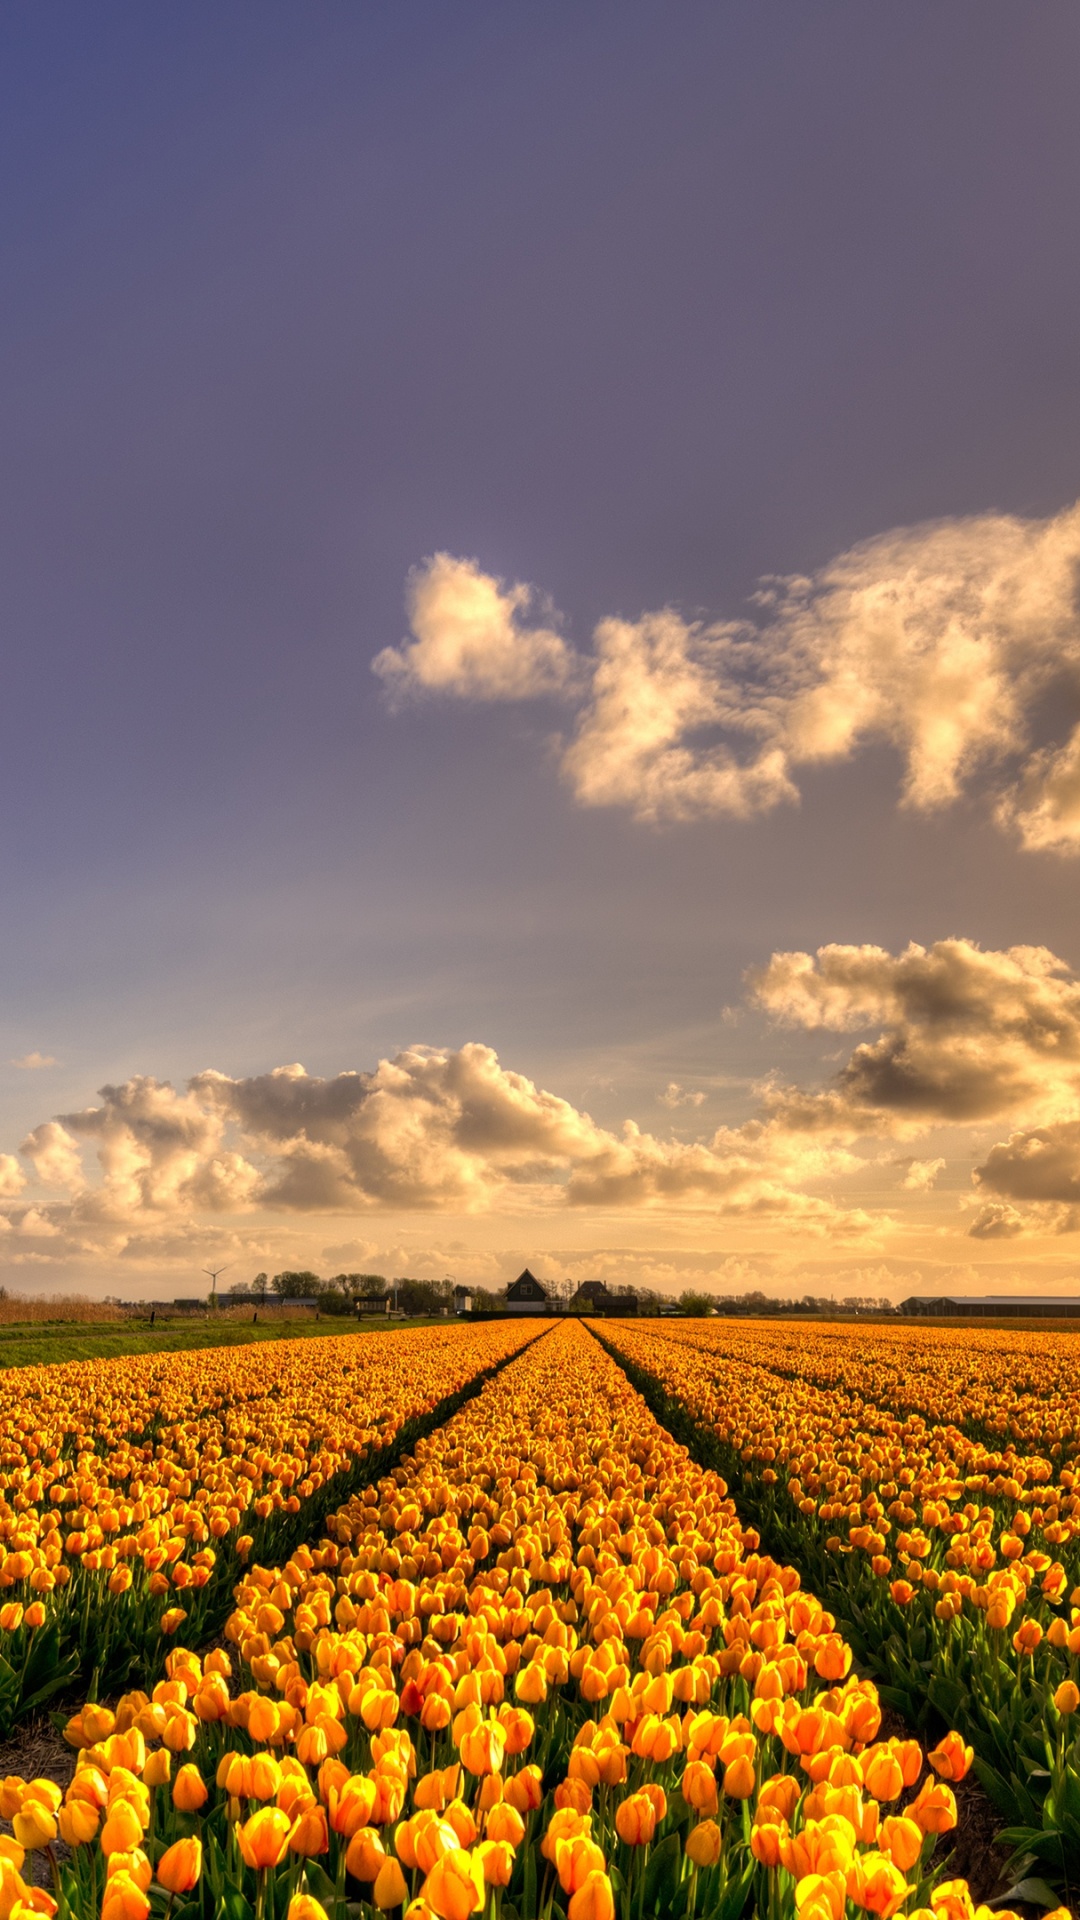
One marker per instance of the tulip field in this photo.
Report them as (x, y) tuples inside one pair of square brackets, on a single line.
[(927, 1485), (465, 1621)]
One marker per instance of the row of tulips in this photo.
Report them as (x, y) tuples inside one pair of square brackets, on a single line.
[(539, 1671), (1000, 1385), (953, 1567), (133, 1491)]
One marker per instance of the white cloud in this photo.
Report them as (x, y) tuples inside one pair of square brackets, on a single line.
[(33, 1062), (676, 1096), (656, 684), (998, 1222), (939, 640), (432, 1130), (12, 1177), (1044, 806), (54, 1155), (473, 636), (968, 1035), (1037, 1163), (921, 1175)]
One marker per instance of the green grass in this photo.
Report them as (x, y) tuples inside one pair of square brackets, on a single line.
[(31, 1345)]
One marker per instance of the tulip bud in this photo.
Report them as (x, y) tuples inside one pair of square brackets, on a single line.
[(704, 1844), (594, 1899), (365, 1854), (902, 1840), (264, 1839), (390, 1888), (497, 1860), (309, 1833), (739, 1778), (122, 1830), (454, 1888), (124, 1899), (189, 1791), (180, 1865), (78, 1823)]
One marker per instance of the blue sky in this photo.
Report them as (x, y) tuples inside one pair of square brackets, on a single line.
[(633, 304)]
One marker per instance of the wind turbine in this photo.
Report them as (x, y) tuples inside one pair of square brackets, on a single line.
[(213, 1272)]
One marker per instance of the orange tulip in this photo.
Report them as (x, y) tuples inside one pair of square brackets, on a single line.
[(124, 1899), (189, 1790), (78, 1822), (739, 1778), (180, 1865), (594, 1899), (365, 1854), (454, 1888), (704, 1844), (264, 1839), (497, 1859), (390, 1888), (874, 1882), (951, 1758), (504, 1823), (934, 1807), (635, 1820), (902, 1839), (123, 1828), (309, 1833)]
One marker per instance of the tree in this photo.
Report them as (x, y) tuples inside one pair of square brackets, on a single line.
[(422, 1296), (259, 1285), (297, 1286), (359, 1285), (695, 1303)]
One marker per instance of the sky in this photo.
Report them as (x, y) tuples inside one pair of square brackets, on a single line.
[(538, 590)]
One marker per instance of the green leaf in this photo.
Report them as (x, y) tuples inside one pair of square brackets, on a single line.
[(1034, 1893), (662, 1872), (234, 1906)]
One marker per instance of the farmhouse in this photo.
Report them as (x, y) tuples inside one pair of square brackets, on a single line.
[(593, 1297), (526, 1295)]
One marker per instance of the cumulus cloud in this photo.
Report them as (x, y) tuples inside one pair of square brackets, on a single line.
[(920, 1176), (657, 683), (998, 1222), (676, 1096), (474, 636), (959, 1038), (54, 1154), (1038, 1163), (432, 1129), (940, 640), (12, 1177), (33, 1062), (968, 1035)]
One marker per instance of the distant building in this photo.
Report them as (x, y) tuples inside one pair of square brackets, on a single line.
[(593, 1296), (463, 1299), (368, 1303), (526, 1295), (588, 1295), (994, 1306)]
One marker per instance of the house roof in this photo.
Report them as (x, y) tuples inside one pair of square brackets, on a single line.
[(996, 1299), (529, 1283)]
